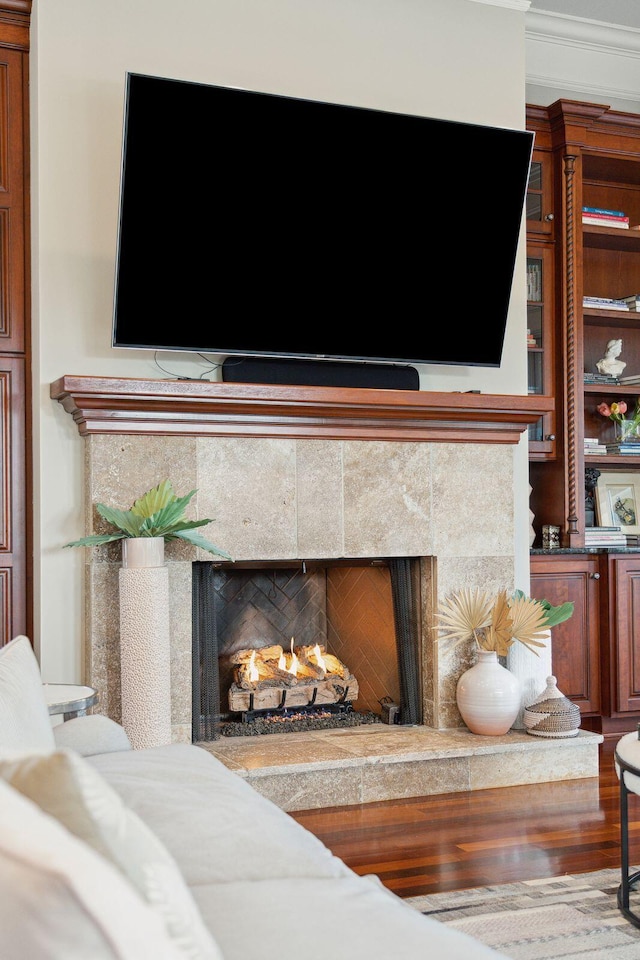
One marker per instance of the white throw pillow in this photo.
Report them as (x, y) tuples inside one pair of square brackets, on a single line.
[(25, 725), (66, 787), (59, 899)]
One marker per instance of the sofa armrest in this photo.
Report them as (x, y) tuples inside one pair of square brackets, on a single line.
[(91, 735)]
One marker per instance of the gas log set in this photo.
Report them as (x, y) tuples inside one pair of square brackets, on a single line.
[(269, 679)]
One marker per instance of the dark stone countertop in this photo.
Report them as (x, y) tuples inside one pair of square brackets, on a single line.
[(540, 551)]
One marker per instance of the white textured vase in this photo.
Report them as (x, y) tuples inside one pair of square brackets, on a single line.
[(145, 648), (488, 696)]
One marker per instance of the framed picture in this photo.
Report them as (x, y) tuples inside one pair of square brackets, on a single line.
[(618, 501)]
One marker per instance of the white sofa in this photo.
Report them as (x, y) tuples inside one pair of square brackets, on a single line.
[(162, 853)]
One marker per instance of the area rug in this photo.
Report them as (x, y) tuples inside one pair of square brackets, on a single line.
[(573, 917)]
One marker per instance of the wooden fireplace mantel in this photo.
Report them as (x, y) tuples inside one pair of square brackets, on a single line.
[(101, 405)]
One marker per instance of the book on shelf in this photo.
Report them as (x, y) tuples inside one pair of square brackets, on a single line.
[(604, 537), (630, 449), (597, 221), (630, 380), (594, 446), (606, 218), (634, 301), (604, 211), (601, 378), (590, 299), (604, 542), (591, 533), (605, 303)]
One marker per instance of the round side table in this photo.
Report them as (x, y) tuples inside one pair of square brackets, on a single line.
[(70, 699)]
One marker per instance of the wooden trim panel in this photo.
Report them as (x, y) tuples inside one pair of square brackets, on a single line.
[(165, 407)]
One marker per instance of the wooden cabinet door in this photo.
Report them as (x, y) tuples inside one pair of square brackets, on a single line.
[(575, 644), (13, 553), (12, 202), (624, 627), (15, 477)]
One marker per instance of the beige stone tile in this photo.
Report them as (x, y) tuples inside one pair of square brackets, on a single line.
[(102, 652), (473, 499), (122, 468), (119, 469), (275, 751), (309, 791), (552, 760), (249, 486), (319, 498), (489, 573), (387, 781), (387, 499), (180, 628)]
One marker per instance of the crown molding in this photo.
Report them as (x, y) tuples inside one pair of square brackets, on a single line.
[(591, 35), (582, 90)]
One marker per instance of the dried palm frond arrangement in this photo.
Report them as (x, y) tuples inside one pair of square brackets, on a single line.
[(495, 623)]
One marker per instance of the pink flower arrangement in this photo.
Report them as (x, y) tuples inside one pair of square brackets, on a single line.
[(617, 411)]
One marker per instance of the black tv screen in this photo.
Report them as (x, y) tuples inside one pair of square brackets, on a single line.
[(263, 225)]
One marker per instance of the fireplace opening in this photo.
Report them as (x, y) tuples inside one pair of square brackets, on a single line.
[(298, 645)]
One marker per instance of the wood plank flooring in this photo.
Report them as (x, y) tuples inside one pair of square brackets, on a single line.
[(459, 840)]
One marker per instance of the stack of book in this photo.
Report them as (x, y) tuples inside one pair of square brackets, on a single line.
[(604, 303), (593, 446), (601, 217), (631, 380), (633, 301), (604, 537), (624, 448), (602, 378)]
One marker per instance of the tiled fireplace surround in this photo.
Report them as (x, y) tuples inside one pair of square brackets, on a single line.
[(317, 472)]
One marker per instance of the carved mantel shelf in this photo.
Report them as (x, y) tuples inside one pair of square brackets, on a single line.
[(101, 405)]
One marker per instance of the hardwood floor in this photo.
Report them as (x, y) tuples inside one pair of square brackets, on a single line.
[(459, 840)]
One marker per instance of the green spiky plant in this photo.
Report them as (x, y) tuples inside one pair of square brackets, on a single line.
[(159, 513)]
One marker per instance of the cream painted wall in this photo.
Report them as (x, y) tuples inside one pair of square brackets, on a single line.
[(456, 59)]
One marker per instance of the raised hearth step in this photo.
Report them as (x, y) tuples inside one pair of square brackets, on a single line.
[(302, 771)]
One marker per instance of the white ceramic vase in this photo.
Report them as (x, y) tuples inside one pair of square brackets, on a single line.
[(488, 696)]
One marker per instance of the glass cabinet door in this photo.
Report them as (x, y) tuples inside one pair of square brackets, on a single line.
[(540, 195), (540, 343)]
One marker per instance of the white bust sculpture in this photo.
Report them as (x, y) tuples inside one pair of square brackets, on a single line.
[(610, 365)]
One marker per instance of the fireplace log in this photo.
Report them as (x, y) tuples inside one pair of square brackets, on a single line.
[(311, 670), (335, 666), (260, 653), (308, 650), (268, 673), (269, 698)]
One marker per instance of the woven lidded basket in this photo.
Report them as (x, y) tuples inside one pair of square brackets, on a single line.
[(552, 714)]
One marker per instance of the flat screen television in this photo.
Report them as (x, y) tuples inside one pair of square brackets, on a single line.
[(260, 225)]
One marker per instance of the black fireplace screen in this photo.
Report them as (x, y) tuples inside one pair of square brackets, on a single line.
[(232, 605)]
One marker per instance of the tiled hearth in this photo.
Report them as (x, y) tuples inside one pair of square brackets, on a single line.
[(301, 473), (338, 767)]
